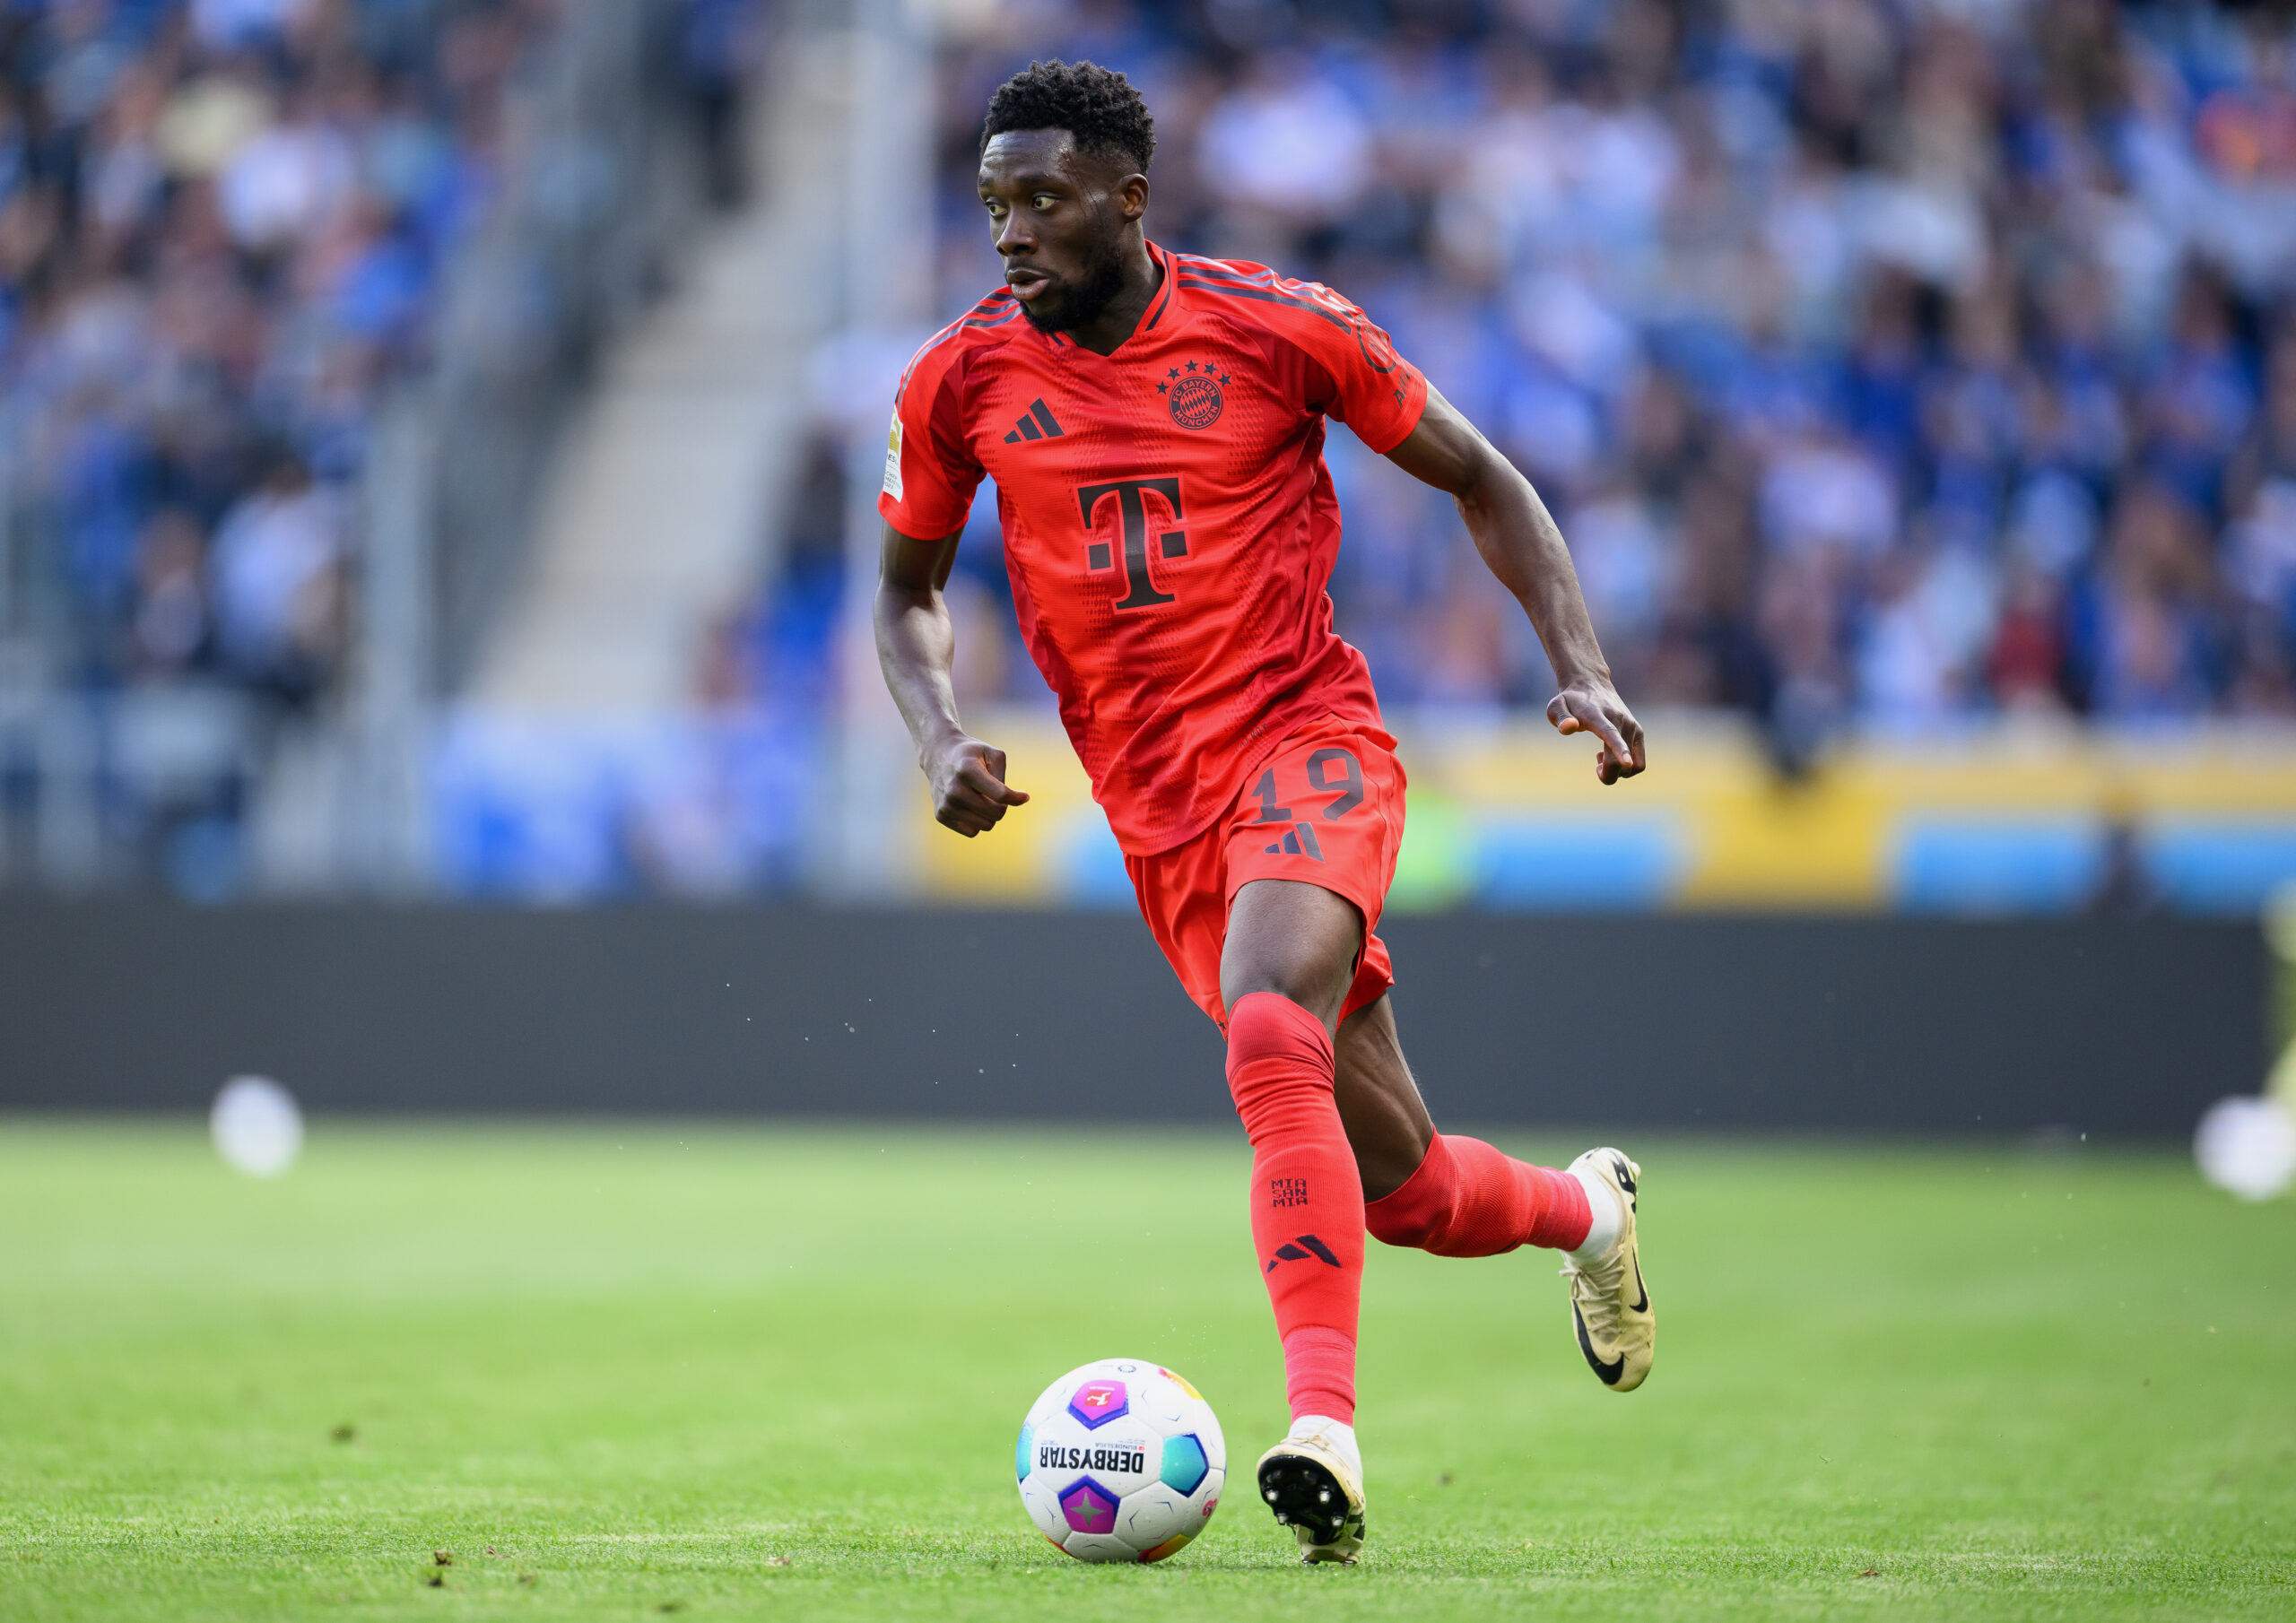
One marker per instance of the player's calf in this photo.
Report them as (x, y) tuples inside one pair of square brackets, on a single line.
[(1467, 1199), (1307, 1209)]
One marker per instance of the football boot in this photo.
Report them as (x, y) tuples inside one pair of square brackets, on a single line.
[(1610, 1309), (1315, 1487)]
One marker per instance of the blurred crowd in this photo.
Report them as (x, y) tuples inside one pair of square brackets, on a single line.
[(224, 226), (228, 231), (221, 228), (1887, 362)]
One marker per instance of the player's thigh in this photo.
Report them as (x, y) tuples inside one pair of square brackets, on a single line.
[(1307, 853), (1293, 938)]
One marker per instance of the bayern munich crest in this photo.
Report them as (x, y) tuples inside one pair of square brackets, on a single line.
[(1192, 392)]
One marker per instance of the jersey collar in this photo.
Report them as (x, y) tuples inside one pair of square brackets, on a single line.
[(1160, 311), (1163, 314)]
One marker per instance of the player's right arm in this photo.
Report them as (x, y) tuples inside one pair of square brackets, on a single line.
[(917, 647), (930, 479)]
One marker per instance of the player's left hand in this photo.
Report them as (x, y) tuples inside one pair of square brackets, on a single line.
[(1592, 706)]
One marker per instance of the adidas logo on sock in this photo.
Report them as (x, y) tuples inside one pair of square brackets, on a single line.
[(1289, 1251), (1035, 423)]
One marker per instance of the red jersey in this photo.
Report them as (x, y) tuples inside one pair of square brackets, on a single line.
[(1169, 526)]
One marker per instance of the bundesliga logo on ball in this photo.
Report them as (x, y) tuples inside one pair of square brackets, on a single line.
[(1120, 1460)]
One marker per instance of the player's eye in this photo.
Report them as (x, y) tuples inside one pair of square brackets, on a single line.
[(1043, 200)]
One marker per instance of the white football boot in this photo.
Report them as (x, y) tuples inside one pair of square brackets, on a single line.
[(1313, 1480), (1609, 1310)]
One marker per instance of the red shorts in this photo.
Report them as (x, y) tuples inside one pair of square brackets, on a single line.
[(1325, 809)]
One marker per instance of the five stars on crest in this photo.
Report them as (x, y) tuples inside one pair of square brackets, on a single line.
[(1209, 370)]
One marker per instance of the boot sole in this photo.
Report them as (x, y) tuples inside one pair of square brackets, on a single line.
[(1303, 1494)]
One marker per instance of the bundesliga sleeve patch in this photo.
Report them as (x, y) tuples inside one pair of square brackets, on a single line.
[(893, 458)]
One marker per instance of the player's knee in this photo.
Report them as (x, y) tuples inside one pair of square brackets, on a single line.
[(1266, 1025), (1299, 942), (1392, 1224), (1416, 1212), (1311, 976), (1316, 995), (1388, 1162)]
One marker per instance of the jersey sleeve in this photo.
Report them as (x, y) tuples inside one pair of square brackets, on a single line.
[(930, 476), (1373, 390)]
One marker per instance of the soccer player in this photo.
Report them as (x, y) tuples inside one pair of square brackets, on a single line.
[(1154, 423)]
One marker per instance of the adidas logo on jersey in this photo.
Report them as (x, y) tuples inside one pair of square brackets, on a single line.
[(1035, 423)]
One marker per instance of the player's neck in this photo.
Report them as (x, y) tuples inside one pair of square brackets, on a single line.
[(1142, 275)]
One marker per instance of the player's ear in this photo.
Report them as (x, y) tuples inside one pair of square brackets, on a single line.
[(1134, 191)]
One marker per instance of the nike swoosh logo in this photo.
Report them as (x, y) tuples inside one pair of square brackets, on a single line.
[(1609, 1372), (1644, 1305)]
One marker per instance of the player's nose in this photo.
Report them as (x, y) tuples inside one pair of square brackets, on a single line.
[(1014, 236)]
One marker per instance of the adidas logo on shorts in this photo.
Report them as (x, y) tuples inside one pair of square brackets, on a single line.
[(1297, 841)]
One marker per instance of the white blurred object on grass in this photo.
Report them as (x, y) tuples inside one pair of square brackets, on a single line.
[(256, 1126), (2247, 1146)]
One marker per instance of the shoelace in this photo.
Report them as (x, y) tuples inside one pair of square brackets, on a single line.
[(1598, 1304)]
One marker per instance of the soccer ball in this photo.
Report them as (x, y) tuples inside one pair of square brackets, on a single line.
[(2247, 1146), (1120, 1460)]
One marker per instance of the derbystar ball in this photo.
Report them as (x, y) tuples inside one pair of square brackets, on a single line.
[(1120, 1460)]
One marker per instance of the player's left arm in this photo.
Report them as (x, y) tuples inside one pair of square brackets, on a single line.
[(1517, 538)]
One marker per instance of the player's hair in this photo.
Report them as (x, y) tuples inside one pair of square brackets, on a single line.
[(1096, 105)]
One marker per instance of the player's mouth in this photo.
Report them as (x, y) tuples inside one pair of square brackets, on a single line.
[(1027, 285)]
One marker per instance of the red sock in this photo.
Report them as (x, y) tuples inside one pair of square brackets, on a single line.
[(1468, 1200), (1307, 1196)]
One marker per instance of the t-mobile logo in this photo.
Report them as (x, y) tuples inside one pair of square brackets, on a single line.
[(1132, 508)]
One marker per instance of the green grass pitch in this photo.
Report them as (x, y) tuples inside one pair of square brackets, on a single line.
[(748, 1372)]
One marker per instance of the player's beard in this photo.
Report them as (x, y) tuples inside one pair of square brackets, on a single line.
[(1079, 303)]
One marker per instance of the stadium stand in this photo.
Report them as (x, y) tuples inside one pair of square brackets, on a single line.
[(1915, 384), (1915, 381), (229, 231), (1889, 365)]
